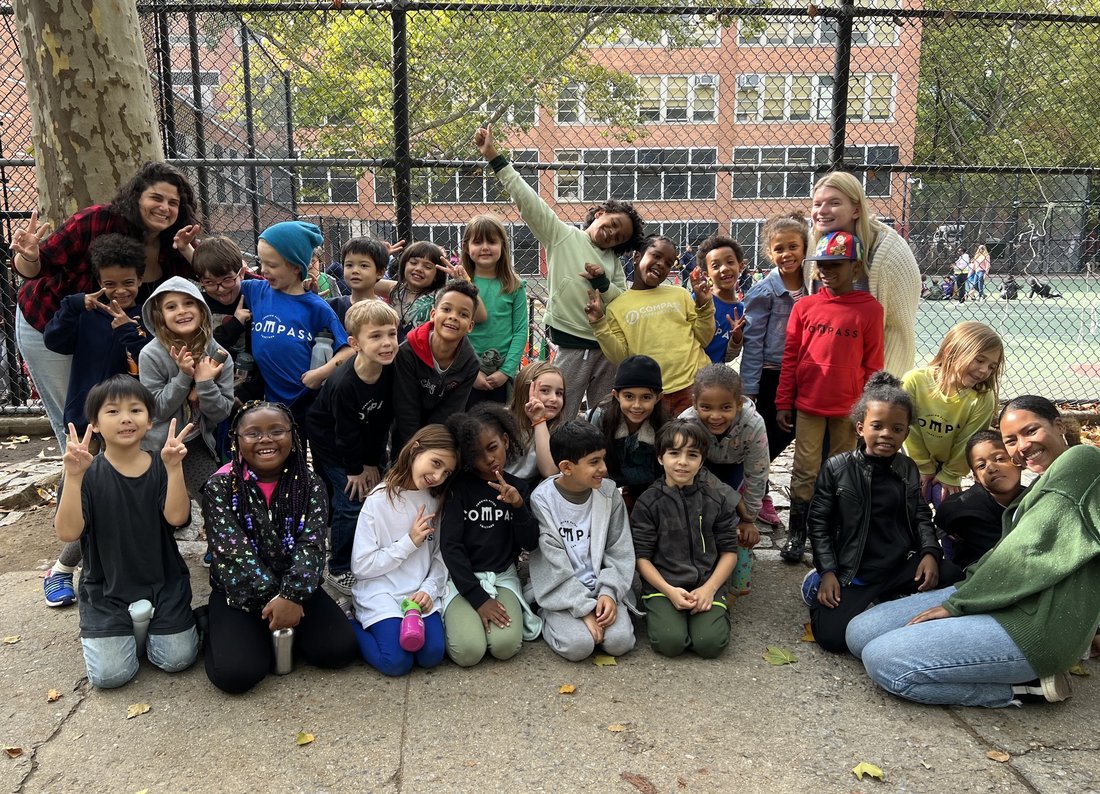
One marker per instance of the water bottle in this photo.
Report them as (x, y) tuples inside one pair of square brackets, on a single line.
[(141, 612), (411, 636), (244, 366), (283, 642), (322, 349), (741, 581)]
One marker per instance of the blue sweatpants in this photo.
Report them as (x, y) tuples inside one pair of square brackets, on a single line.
[(382, 650)]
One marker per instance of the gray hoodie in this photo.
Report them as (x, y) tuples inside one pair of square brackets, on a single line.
[(162, 376)]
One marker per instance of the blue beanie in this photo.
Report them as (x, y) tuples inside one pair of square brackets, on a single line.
[(295, 241)]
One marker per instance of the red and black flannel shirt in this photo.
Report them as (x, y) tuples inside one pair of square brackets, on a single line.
[(65, 269)]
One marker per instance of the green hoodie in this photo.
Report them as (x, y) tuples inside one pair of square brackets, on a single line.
[(1041, 582)]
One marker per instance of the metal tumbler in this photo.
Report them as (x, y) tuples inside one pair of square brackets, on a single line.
[(283, 641)]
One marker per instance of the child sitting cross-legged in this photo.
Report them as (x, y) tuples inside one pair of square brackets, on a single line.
[(685, 539), (582, 571), (123, 506)]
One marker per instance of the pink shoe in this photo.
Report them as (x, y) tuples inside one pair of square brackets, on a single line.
[(767, 512)]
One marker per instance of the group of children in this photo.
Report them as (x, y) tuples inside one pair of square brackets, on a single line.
[(440, 461)]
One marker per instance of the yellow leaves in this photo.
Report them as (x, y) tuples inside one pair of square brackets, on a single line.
[(303, 738), (618, 727), (11, 442), (14, 638), (1079, 669), (136, 710), (864, 768), (998, 756), (567, 689), (603, 660), (13, 752), (808, 635), (778, 656), (53, 696)]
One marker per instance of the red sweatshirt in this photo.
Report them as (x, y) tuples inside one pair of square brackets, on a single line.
[(834, 344)]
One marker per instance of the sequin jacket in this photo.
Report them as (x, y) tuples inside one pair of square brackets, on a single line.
[(258, 561)]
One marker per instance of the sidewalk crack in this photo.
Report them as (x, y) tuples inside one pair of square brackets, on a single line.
[(81, 690)]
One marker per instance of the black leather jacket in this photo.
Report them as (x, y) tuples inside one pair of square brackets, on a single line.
[(840, 513)]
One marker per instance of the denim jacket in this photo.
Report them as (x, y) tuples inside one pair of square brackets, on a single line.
[(767, 307)]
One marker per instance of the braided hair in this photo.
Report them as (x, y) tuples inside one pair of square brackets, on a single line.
[(290, 501)]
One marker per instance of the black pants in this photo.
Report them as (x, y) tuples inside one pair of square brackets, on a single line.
[(778, 438), (830, 624), (238, 653)]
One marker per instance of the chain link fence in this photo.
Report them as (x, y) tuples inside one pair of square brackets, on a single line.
[(974, 125)]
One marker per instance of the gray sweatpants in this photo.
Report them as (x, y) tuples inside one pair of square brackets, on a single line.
[(587, 374), (568, 636)]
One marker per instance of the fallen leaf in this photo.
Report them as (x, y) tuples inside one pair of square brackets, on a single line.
[(863, 768), (303, 738), (136, 709), (14, 638), (998, 756), (616, 728), (778, 656), (640, 782), (53, 696), (1079, 669), (13, 752), (681, 782), (808, 635), (567, 689), (603, 660)]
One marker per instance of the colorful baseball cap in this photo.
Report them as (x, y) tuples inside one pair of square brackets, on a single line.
[(837, 246)]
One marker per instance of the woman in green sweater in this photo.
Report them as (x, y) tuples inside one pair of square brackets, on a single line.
[(1027, 610)]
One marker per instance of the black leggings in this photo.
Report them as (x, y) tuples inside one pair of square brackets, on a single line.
[(778, 438), (238, 651)]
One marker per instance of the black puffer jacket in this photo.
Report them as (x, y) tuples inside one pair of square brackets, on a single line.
[(840, 513), (683, 530)]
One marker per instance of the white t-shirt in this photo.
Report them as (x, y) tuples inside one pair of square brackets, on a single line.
[(574, 523)]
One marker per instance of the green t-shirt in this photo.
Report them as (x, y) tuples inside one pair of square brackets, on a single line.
[(500, 341)]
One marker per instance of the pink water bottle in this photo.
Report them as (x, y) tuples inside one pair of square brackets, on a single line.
[(411, 636)]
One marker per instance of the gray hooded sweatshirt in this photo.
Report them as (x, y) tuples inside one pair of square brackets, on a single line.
[(162, 376)]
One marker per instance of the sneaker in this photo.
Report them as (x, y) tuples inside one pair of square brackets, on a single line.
[(811, 583), (767, 512), (1051, 688), (207, 560), (58, 588), (341, 582)]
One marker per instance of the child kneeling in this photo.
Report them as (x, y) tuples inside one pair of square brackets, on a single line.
[(685, 539), (582, 570), (123, 506)]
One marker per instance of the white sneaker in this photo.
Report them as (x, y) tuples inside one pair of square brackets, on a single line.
[(342, 582)]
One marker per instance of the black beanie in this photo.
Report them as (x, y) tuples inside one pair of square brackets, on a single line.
[(638, 372)]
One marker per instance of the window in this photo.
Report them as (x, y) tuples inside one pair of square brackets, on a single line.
[(569, 110), (466, 186), (808, 97), (677, 98), (320, 185), (183, 86), (804, 162), (866, 31), (523, 113), (747, 233), (689, 30), (676, 180), (871, 97), (448, 236), (683, 232)]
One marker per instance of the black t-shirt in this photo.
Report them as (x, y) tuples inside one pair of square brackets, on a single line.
[(130, 553), (888, 539), (350, 420)]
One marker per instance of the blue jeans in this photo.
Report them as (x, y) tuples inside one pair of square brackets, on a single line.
[(49, 371), (964, 661), (381, 648), (345, 517), (113, 661)]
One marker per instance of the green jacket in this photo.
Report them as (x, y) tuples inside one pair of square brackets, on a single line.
[(1041, 582)]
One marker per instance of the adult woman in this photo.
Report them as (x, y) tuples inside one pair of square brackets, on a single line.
[(979, 269), (839, 204), (157, 206), (1027, 610)]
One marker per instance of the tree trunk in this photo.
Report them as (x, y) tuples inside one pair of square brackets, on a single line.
[(91, 105)]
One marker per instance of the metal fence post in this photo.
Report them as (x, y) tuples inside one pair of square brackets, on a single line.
[(402, 171), (196, 101), (250, 127), (290, 149), (167, 92), (842, 64)]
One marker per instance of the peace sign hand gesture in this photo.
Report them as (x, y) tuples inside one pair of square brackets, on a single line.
[(184, 360), (119, 317), (534, 407), (457, 272), (506, 493), (91, 300), (593, 309), (737, 329), (77, 457), (25, 241), (186, 236), (421, 528), (174, 450)]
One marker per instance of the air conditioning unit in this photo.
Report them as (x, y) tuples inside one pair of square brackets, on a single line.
[(706, 79), (749, 81)]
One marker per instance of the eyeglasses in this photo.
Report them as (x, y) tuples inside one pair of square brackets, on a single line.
[(275, 434), (221, 283)]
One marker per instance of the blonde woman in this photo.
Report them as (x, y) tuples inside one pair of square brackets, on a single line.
[(979, 269)]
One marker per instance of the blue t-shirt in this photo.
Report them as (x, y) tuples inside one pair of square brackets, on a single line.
[(283, 327), (716, 350)]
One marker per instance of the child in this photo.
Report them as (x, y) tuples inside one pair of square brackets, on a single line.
[(123, 505), (767, 309), (685, 539), (500, 340), (971, 519), (834, 343), (537, 402), (590, 253), (630, 420), (286, 318), (436, 366), (724, 262), (184, 369), (582, 570), (363, 260), (658, 318), (349, 423), (266, 515), (419, 277), (954, 397), (397, 554), (486, 522), (871, 531)]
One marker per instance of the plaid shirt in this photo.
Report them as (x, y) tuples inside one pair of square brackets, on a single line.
[(65, 269)]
